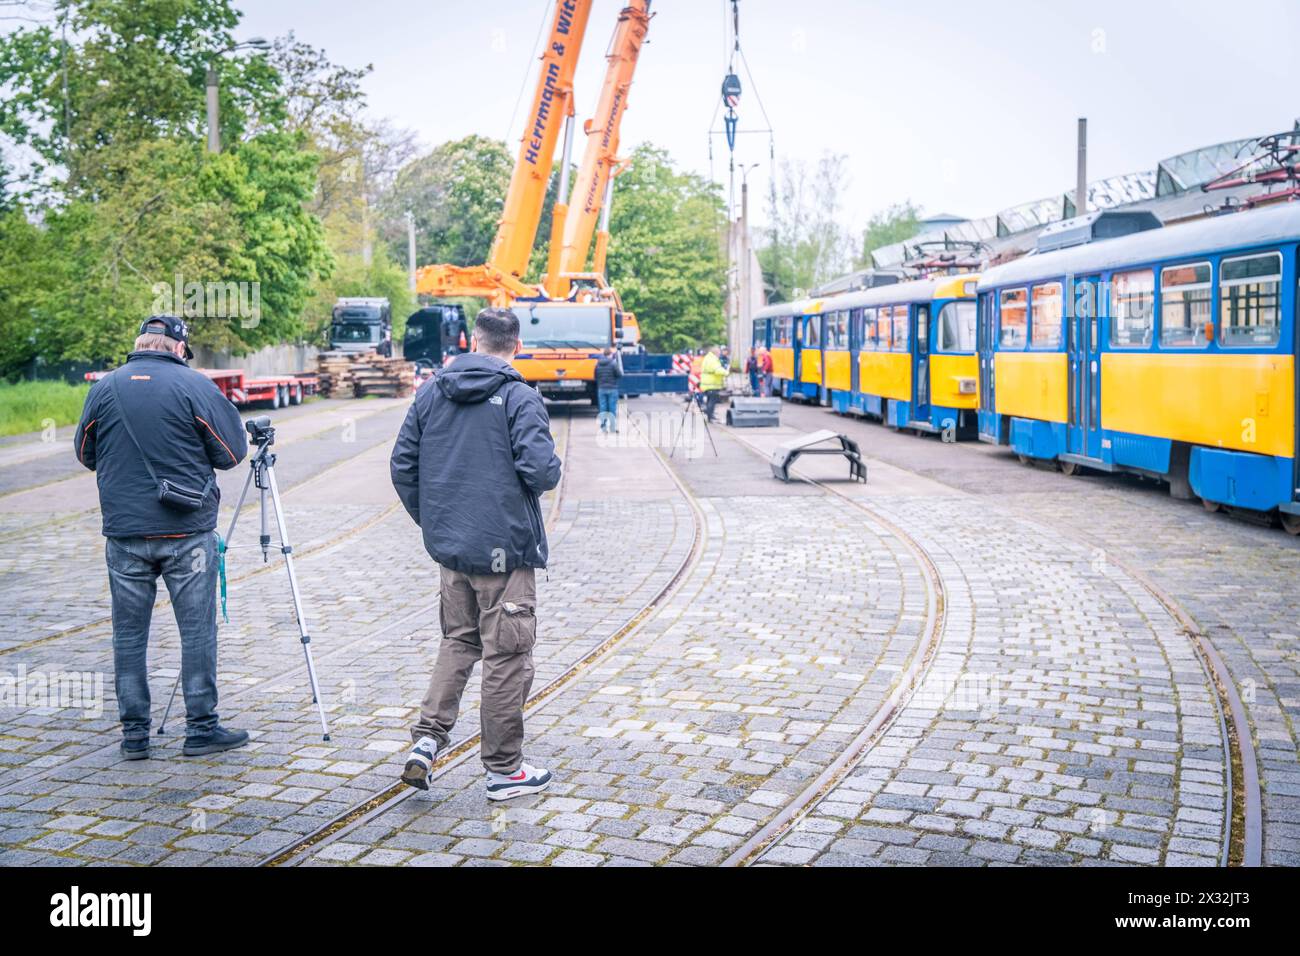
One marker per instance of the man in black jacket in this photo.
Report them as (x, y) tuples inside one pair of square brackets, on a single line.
[(473, 455), (155, 420)]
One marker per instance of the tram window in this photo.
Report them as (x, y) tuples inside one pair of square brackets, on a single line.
[(957, 327), (900, 339), (869, 334), (837, 330), (1045, 332), (1132, 302), (1249, 291), (1015, 317), (812, 332), (1185, 305)]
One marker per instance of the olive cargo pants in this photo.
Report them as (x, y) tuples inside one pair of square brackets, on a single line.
[(493, 618)]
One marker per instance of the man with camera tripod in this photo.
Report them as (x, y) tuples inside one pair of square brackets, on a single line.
[(471, 459), (153, 430)]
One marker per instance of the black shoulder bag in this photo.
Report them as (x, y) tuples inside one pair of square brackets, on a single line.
[(170, 494)]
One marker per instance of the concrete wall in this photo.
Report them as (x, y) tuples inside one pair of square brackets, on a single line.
[(272, 360)]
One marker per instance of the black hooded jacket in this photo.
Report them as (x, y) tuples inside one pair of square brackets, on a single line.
[(473, 455), (183, 423)]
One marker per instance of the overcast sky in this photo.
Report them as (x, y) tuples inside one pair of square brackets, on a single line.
[(963, 107)]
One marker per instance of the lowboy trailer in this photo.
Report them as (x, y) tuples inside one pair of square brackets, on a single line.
[(275, 390)]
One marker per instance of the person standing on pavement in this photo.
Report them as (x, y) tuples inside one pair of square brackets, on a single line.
[(764, 372), (713, 376), (153, 430), (751, 369), (472, 457), (608, 371)]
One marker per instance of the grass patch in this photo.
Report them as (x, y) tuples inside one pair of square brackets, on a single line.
[(26, 406)]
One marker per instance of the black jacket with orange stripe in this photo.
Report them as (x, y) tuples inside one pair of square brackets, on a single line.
[(184, 424)]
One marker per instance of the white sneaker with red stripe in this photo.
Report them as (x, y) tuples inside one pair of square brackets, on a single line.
[(527, 779)]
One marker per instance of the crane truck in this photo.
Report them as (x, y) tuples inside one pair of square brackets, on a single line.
[(567, 320)]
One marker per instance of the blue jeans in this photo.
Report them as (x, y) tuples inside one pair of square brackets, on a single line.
[(607, 401), (189, 569)]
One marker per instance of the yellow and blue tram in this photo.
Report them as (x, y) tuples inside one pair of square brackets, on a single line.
[(903, 353), (776, 327), (1169, 352)]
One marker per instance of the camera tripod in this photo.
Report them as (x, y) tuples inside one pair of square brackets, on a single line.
[(261, 472), (693, 404)]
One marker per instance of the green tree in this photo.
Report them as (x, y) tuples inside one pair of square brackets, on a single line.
[(665, 251), (456, 194), (127, 198), (895, 224), (134, 70)]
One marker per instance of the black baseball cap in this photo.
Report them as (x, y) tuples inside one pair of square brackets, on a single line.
[(172, 326)]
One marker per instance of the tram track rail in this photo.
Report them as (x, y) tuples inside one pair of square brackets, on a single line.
[(1242, 843), (904, 687), (397, 793), (1243, 840)]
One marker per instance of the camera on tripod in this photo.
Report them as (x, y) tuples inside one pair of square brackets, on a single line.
[(261, 475), (260, 430)]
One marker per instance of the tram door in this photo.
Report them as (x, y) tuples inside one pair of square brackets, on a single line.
[(1084, 347), (855, 349), (985, 331), (921, 366)]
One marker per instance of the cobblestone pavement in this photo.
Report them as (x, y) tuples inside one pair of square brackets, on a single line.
[(1236, 580), (66, 797), (1064, 717), (785, 638)]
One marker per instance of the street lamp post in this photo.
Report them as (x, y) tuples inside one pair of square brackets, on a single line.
[(410, 248), (214, 118), (742, 337)]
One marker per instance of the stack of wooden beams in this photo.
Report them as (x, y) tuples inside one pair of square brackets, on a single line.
[(358, 374)]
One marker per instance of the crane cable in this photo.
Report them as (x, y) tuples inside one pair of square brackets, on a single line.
[(528, 70), (732, 50)]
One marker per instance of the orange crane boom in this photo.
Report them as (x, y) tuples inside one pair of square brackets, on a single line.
[(568, 256), (502, 276)]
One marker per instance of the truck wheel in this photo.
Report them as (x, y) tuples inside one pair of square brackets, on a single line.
[(1290, 522), (295, 397), (275, 397)]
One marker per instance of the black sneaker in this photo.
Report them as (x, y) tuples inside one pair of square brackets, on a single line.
[(212, 743), (136, 748)]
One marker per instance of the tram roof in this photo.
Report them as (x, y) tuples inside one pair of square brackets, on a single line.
[(1256, 227), (917, 290)]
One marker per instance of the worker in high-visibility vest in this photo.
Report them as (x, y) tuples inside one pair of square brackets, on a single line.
[(713, 376)]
